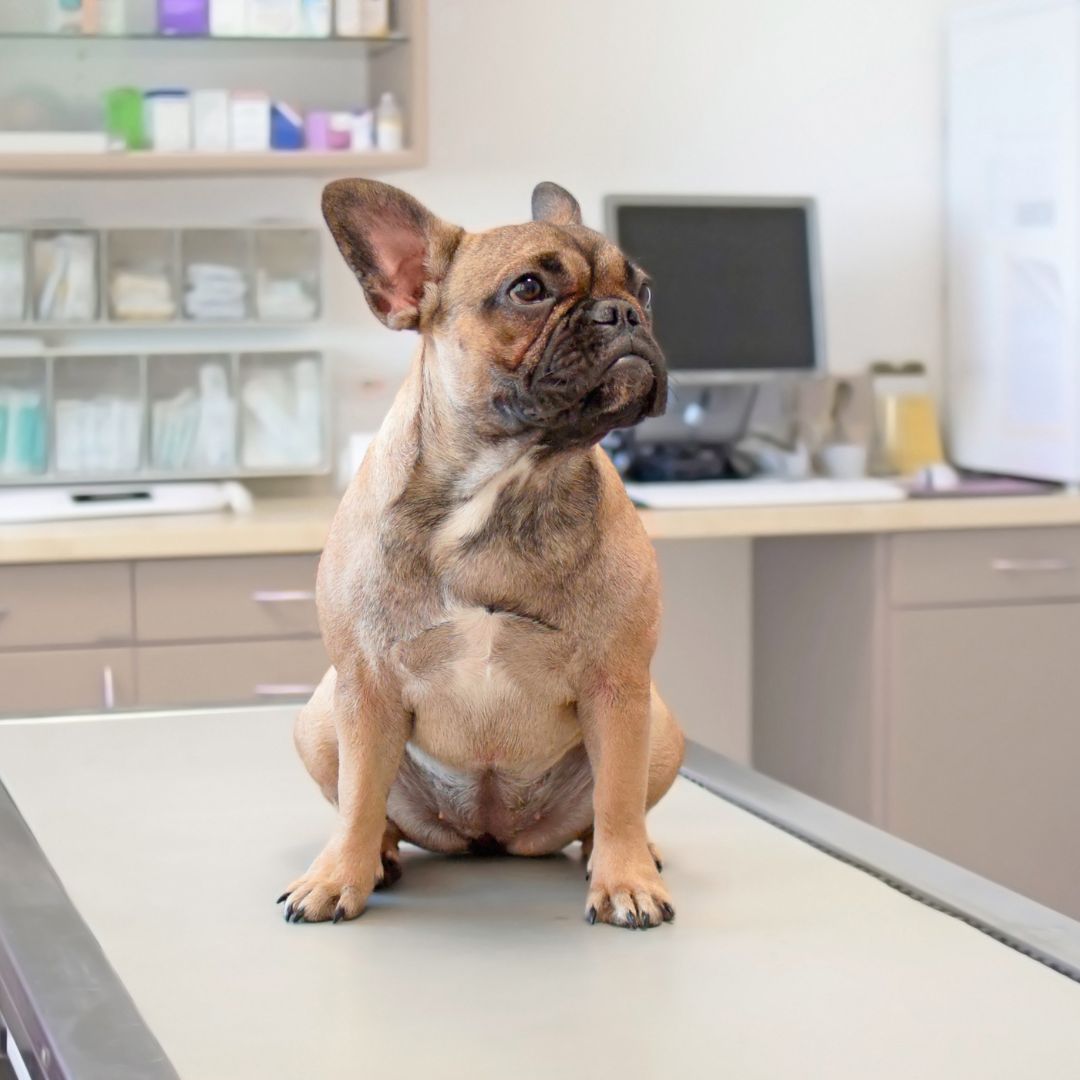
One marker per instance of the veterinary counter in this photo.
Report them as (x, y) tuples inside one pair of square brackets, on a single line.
[(139, 936), (280, 526)]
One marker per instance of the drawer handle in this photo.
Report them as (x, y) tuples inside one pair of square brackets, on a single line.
[(1031, 566), (284, 689), (283, 596), (108, 687)]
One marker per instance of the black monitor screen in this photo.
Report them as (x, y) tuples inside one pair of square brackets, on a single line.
[(731, 284)]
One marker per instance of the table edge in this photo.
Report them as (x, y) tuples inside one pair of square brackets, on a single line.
[(1031, 928), (64, 1005)]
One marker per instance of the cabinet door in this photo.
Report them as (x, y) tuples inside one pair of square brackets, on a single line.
[(230, 673), (984, 740), (66, 680)]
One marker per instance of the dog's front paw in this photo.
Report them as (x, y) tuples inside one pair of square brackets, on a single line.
[(628, 892), (334, 887)]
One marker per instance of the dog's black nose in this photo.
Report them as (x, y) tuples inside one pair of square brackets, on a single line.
[(614, 312)]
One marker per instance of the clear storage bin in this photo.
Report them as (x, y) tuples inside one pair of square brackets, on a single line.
[(281, 397), (12, 276), (65, 275), (23, 416), (286, 274), (192, 414), (142, 275), (98, 414), (217, 276)]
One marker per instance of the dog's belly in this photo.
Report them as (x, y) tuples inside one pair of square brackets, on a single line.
[(496, 747)]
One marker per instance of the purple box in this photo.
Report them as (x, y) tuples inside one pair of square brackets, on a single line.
[(186, 18), (317, 130)]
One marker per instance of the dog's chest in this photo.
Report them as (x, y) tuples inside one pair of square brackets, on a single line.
[(490, 688)]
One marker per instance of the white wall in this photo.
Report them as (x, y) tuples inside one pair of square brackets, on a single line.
[(840, 99)]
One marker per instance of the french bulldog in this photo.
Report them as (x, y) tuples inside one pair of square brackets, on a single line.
[(487, 595)]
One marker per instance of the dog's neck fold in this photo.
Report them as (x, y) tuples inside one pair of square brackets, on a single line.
[(432, 449)]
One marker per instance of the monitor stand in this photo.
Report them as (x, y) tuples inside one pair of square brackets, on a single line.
[(694, 440)]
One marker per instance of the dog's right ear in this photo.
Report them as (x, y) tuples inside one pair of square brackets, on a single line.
[(394, 245)]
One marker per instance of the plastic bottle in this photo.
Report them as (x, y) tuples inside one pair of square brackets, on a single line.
[(389, 124)]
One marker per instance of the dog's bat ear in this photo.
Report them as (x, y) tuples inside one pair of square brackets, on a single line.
[(554, 204), (393, 244)]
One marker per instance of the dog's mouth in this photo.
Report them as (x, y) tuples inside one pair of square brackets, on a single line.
[(577, 403), (626, 379)]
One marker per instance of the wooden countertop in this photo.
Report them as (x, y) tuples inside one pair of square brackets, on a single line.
[(297, 525)]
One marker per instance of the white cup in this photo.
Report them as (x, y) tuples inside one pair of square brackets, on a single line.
[(844, 461)]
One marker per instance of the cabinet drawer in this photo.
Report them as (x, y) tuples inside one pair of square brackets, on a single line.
[(250, 671), (66, 680), (990, 565), (65, 604), (205, 599)]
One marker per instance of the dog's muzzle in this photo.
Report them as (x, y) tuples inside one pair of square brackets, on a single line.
[(601, 369)]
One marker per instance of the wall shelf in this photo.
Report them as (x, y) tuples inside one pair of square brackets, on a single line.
[(309, 73), (82, 39), (153, 163)]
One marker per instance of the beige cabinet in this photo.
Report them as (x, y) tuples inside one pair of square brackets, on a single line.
[(929, 682), (179, 632)]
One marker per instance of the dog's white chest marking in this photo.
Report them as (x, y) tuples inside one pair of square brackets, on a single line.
[(487, 480), (489, 688)]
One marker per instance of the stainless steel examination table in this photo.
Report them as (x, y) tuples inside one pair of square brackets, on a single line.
[(140, 857)]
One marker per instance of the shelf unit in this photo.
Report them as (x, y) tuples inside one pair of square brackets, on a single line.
[(397, 63), (168, 262), (195, 163), (140, 373)]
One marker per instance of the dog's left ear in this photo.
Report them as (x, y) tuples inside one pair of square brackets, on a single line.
[(554, 204), (394, 245)]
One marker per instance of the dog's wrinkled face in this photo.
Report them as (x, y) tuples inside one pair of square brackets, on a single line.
[(541, 329)]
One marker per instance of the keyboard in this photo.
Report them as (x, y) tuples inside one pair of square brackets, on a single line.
[(700, 494)]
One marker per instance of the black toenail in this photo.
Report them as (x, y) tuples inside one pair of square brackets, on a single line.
[(283, 897), (288, 913), (668, 910), (339, 913), (631, 920), (646, 922), (590, 916)]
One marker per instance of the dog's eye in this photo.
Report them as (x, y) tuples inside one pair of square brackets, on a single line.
[(645, 297), (528, 289)]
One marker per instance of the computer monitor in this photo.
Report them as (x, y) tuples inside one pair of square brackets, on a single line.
[(736, 293)]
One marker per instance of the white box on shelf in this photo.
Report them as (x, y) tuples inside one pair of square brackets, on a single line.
[(315, 18), (273, 18), (53, 142), (168, 120), (228, 18), (348, 20), (210, 111), (249, 122)]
